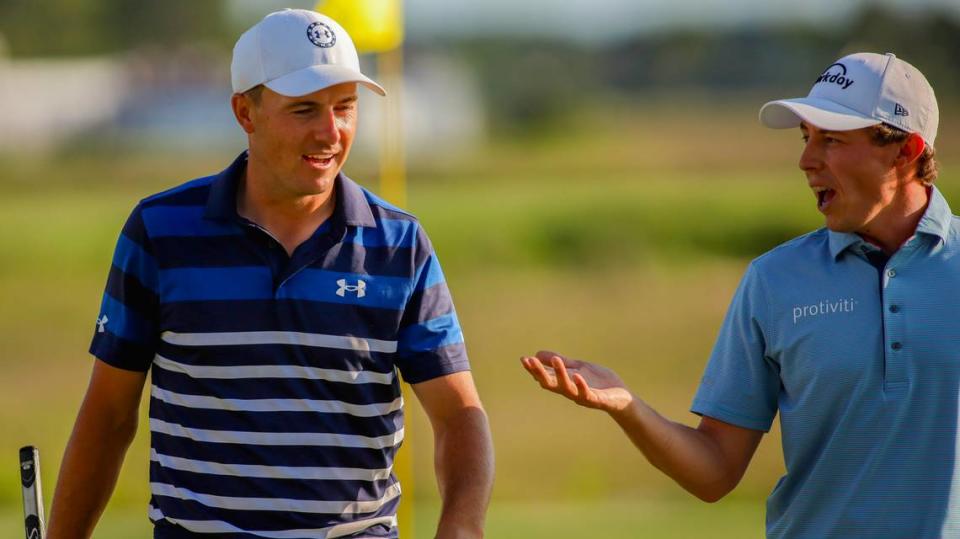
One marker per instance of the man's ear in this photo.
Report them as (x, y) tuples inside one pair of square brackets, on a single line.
[(242, 111), (910, 151)]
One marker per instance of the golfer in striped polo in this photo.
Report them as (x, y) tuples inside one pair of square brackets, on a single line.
[(275, 304)]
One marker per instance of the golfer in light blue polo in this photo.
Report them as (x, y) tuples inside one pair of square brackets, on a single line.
[(851, 332)]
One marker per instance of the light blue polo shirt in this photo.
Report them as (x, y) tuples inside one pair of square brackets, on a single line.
[(864, 368)]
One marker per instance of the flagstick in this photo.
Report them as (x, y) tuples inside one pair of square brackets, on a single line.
[(392, 159), (393, 188), (377, 27)]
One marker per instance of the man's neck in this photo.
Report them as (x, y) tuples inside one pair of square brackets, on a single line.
[(899, 221), (289, 217)]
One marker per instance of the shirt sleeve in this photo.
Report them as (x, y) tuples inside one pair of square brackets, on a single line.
[(741, 384), (126, 335), (430, 342)]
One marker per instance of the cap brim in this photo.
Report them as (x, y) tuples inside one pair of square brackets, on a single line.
[(315, 78), (820, 113)]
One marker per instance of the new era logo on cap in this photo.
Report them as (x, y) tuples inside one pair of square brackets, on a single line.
[(860, 90), (295, 52)]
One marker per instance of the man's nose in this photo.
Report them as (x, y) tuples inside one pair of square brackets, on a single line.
[(325, 127), (811, 158)]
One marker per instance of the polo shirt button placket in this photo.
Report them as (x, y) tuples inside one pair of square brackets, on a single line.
[(894, 324)]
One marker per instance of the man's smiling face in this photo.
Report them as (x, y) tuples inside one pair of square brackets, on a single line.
[(304, 141)]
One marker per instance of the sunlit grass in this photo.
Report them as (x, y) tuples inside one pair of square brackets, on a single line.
[(620, 243), (617, 518)]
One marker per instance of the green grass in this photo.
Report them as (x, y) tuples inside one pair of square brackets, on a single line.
[(617, 242), (626, 519), (647, 321), (611, 519), (619, 221)]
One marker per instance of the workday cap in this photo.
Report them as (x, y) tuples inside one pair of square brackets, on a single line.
[(860, 90)]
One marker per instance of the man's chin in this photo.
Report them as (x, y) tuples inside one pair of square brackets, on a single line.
[(322, 183), (320, 187), (838, 226)]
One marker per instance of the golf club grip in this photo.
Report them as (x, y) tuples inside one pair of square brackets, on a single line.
[(32, 495)]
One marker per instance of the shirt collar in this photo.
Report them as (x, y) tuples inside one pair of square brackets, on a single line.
[(356, 208), (352, 206), (935, 222), (222, 200), (840, 241), (937, 219)]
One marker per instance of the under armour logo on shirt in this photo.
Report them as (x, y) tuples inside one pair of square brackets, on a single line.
[(360, 288), (101, 322)]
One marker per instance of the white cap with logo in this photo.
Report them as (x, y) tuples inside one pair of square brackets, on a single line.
[(861, 90), (296, 52)]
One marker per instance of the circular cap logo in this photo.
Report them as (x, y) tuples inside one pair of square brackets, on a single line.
[(321, 35)]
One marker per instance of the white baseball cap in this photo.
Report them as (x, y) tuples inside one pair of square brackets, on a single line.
[(861, 90), (296, 52)]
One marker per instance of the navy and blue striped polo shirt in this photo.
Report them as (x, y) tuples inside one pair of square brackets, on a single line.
[(275, 407)]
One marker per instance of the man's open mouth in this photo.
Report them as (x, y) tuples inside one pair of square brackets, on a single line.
[(824, 197)]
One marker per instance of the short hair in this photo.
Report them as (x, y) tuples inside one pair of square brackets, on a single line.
[(255, 94), (927, 166)]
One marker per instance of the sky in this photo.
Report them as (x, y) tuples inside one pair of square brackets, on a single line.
[(605, 20)]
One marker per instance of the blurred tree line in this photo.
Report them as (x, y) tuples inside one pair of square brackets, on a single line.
[(531, 83), (84, 27)]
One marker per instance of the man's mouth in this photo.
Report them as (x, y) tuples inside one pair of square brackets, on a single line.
[(318, 160), (824, 196)]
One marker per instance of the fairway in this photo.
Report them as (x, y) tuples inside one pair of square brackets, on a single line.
[(621, 519), (557, 465), (630, 263)]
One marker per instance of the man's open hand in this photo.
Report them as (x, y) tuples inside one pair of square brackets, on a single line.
[(584, 383)]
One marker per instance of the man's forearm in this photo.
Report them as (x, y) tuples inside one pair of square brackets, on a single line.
[(464, 467), (88, 474), (708, 461), (689, 456)]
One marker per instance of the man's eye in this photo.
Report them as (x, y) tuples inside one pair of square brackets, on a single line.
[(301, 112)]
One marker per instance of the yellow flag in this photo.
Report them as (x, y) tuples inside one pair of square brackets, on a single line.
[(374, 25)]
